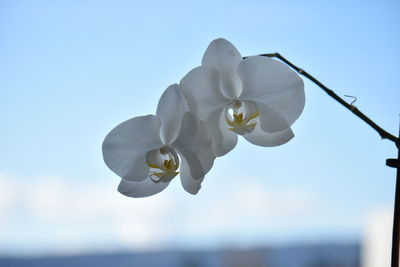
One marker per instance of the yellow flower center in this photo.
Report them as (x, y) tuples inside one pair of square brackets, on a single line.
[(163, 164), (241, 116)]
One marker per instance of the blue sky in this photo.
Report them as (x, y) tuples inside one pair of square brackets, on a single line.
[(72, 70)]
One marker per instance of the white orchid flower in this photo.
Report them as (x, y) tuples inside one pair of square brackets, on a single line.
[(258, 98), (146, 151)]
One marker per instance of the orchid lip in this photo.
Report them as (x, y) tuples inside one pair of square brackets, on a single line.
[(163, 164), (241, 116)]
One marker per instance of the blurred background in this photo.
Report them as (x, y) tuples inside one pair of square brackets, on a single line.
[(70, 71)]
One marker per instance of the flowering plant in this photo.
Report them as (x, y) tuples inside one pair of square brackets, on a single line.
[(199, 119), (257, 97), (144, 151)]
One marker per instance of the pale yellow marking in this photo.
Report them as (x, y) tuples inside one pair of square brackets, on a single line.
[(241, 125)]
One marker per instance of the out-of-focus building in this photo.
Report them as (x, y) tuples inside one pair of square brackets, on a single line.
[(377, 240), (318, 255)]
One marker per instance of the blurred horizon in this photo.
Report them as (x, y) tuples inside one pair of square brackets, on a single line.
[(71, 71), (345, 255)]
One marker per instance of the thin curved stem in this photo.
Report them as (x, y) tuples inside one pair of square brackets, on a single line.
[(384, 134)]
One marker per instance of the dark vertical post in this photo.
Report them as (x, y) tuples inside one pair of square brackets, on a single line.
[(396, 215)]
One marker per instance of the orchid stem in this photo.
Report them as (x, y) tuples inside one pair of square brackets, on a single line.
[(384, 134)]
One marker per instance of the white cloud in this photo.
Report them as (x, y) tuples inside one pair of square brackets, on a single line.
[(62, 216), (246, 208), (7, 194), (53, 214)]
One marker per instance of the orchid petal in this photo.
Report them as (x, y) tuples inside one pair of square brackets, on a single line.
[(190, 184), (125, 147), (270, 120), (143, 188), (200, 86), (225, 58), (170, 109), (224, 140), (274, 84), (194, 144), (260, 138)]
